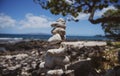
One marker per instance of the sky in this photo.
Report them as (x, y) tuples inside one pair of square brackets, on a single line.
[(26, 17)]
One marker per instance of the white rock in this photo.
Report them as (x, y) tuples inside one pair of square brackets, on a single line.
[(94, 43), (51, 61), (58, 24), (80, 44), (55, 38), (61, 20), (72, 44), (57, 52), (18, 56), (42, 65), (57, 72), (21, 56), (33, 64), (14, 67)]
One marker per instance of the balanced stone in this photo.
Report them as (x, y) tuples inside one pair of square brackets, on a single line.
[(56, 52), (58, 31), (56, 57), (59, 23), (55, 38)]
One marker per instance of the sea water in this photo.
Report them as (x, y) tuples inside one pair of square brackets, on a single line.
[(19, 37)]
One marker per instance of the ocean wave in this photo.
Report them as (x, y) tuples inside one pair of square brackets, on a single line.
[(10, 40)]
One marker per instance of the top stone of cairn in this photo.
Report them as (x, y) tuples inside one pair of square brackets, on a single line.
[(59, 23)]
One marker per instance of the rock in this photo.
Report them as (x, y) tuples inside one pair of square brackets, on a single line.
[(59, 30), (57, 72), (33, 64), (61, 20), (82, 67), (61, 60), (59, 23), (69, 73), (52, 61), (49, 61), (55, 38), (42, 65), (80, 44), (20, 56), (14, 67), (118, 72), (110, 72), (57, 52), (3, 50)]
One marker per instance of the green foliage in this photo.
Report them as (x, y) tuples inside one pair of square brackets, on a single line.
[(116, 44), (109, 43), (112, 29), (73, 7)]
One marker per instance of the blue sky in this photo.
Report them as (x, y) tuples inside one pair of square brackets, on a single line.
[(25, 16)]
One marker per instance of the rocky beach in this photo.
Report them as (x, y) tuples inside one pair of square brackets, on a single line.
[(24, 58), (58, 56)]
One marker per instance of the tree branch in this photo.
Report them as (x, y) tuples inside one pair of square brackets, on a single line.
[(103, 19), (115, 19)]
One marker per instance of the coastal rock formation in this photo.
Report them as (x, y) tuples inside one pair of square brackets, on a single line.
[(58, 31)]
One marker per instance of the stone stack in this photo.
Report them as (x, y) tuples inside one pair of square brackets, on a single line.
[(58, 31), (55, 59)]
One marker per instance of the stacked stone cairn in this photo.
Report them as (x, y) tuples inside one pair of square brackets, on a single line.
[(55, 59)]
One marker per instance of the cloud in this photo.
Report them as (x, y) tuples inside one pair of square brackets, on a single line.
[(6, 21), (98, 13), (83, 16), (32, 21), (29, 21)]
